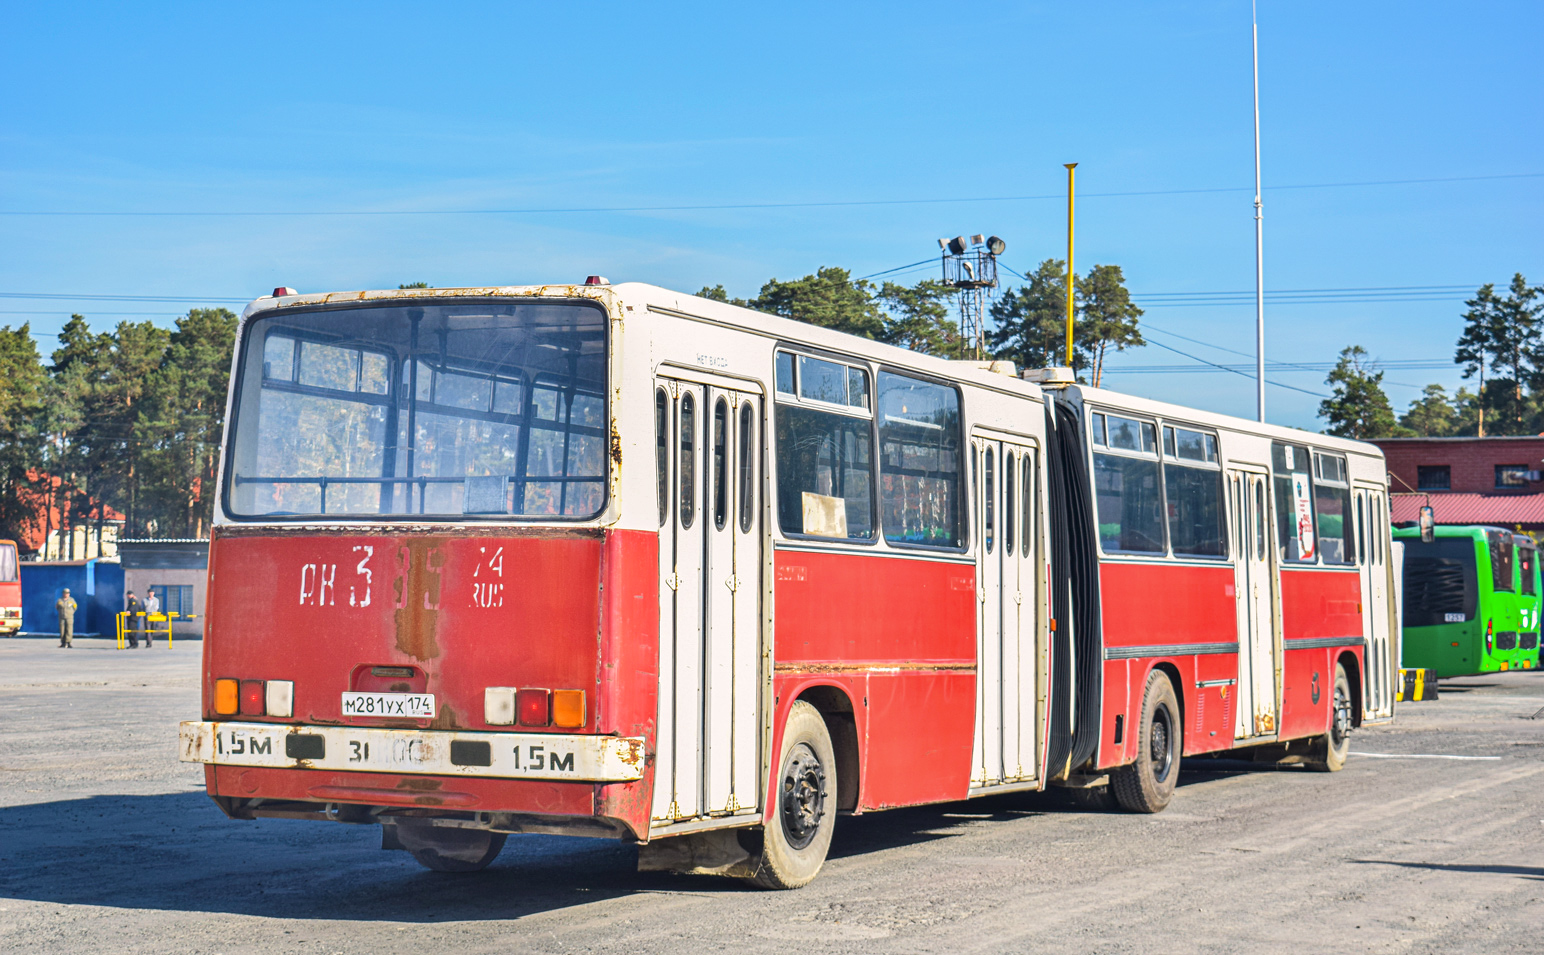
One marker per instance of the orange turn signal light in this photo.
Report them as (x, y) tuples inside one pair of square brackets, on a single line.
[(568, 708), (226, 702)]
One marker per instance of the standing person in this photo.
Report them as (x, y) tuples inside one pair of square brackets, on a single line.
[(65, 607), (152, 607), (136, 618)]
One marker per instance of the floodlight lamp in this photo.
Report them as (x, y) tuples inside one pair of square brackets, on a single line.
[(995, 245), (977, 239), (943, 243), (957, 245)]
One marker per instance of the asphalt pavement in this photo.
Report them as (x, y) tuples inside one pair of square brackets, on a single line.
[(1428, 841)]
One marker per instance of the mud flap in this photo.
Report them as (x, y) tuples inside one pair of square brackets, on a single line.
[(719, 852)]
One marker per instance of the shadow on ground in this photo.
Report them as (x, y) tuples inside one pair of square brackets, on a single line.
[(176, 851), (1521, 871)]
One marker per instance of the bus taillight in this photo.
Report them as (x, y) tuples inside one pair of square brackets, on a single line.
[(568, 708), (534, 706), (253, 698), (225, 697)]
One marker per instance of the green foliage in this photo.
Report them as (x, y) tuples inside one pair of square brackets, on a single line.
[(129, 419), (911, 316), (1432, 415), (1106, 317), (1359, 408), (1502, 337), (717, 294), (23, 400), (830, 298), (416, 285), (1030, 322), (917, 317)]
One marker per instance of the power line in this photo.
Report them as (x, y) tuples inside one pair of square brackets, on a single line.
[(711, 207), (1235, 371)]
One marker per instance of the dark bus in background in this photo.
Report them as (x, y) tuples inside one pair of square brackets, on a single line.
[(1471, 600)]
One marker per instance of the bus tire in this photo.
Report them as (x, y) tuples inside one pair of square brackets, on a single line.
[(1148, 784), (444, 849), (1329, 751), (795, 841)]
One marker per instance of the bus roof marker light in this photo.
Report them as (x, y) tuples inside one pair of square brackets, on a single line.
[(284, 290), (596, 280)]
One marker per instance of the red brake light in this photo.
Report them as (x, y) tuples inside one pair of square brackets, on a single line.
[(253, 698), (534, 707)]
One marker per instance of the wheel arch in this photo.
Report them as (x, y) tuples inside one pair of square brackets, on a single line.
[(1353, 666), (836, 709), (1170, 669)]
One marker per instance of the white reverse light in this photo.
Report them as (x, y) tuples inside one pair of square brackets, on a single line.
[(499, 706), (281, 698)]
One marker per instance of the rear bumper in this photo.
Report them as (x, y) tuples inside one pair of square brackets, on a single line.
[(543, 756)]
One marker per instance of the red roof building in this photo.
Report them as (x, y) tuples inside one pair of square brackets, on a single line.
[(1468, 480)]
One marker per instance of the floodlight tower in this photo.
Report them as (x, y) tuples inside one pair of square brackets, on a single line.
[(970, 267)]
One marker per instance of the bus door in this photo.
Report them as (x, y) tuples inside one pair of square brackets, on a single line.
[(1005, 474), (1254, 585), (1372, 541), (708, 459)]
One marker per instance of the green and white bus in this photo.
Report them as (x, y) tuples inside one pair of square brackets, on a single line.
[(1471, 600)]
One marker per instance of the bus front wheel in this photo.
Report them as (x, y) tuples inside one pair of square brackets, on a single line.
[(1330, 750), (1148, 784), (796, 838)]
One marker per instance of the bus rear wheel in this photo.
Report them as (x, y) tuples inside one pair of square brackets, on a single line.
[(796, 839), (445, 849), (1330, 750), (1148, 784)]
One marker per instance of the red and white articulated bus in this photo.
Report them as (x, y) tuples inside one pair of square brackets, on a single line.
[(620, 562), (10, 589)]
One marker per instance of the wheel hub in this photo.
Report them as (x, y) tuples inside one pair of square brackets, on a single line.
[(1158, 750), (804, 796), (1341, 728)]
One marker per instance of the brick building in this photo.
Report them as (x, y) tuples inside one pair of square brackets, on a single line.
[(1468, 480)]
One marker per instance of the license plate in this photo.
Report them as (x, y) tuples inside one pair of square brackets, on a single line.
[(413, 706)]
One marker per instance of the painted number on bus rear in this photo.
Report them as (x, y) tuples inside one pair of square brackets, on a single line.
[(488, 592)]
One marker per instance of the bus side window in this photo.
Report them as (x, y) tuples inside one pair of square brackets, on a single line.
[(1259, 526), (988, 501), (1010, 498), (720, 464), (1296, 539), (1361, 529), (662, 453), (1028, 461), (747, 467), (920, 479), (688, 465)]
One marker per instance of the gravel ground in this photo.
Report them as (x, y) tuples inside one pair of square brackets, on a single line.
[(107, 844)]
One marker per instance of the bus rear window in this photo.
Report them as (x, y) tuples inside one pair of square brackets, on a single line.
[(8, 569), (1500, 560), (466, 408), (1440, 582)]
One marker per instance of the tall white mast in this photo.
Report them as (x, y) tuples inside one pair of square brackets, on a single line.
[(1259, 230)]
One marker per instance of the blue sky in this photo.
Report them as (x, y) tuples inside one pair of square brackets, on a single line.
[(390, 108)]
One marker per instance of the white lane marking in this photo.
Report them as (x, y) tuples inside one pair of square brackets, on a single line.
[(1417, 756)]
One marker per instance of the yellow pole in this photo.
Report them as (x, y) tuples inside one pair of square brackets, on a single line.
[(1071, 179)]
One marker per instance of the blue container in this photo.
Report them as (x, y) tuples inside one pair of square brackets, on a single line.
[(96, 585)]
